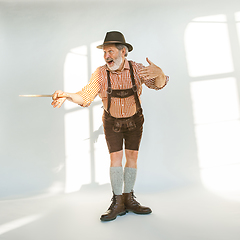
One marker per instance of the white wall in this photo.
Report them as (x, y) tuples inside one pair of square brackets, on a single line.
[(35, 38)]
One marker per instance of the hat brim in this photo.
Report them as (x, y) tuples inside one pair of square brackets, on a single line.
[(129, 46)]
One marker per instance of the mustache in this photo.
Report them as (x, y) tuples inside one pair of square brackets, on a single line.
[(109, 59)]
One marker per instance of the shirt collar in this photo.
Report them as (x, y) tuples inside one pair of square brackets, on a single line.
[(126, 64)]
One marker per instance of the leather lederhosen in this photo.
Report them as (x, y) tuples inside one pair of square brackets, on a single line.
[(124, 123)]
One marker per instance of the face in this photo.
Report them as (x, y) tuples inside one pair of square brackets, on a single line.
[(113, 57)]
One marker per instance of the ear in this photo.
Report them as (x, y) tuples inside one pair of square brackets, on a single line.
[(123, 52)]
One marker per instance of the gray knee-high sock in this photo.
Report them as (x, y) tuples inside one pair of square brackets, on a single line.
[(130, 175), (116, 178)]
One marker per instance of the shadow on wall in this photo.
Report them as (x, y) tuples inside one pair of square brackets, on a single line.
[(189, 130)]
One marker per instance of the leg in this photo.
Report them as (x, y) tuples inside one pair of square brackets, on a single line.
[(117, 207), (130, 172), (115, 143), (116, 172), (132, 142)]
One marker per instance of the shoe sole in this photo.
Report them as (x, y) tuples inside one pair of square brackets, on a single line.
[(142, 213), (107, 220)]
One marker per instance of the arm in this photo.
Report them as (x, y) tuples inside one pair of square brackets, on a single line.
[(83, 97), (153, 72)]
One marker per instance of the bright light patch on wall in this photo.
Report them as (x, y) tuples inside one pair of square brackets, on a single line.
[(96, 59), (207, 47), (216, 114), (218, 144), (213, 18), (75, 72), (96, 56), (78, 143), (215, 104), (217, 130), (237, 18), (224, 180), (215, 100), (101, 156), (77, 149)]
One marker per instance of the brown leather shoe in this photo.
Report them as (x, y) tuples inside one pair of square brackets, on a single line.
[(132, 205), (117, 208)]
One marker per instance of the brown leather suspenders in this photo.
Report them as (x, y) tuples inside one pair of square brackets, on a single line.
[(123, 93)]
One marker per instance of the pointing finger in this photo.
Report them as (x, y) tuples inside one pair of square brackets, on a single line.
[(150, 63)]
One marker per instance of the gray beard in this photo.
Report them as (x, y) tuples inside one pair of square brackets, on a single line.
[(117, 64)]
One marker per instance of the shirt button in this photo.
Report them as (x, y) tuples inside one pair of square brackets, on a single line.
[(122, 104)]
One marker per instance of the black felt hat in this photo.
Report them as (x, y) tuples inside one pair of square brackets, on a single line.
[(115, 37)]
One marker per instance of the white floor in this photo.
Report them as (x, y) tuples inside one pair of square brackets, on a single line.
[(183, 214)]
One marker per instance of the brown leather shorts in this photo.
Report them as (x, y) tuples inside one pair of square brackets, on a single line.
[(119, 130)]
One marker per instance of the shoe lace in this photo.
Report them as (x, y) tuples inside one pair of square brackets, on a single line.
[(113, 200), (133, 200)]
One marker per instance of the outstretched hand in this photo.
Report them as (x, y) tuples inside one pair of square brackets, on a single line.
[(151, 71), (59, 97)]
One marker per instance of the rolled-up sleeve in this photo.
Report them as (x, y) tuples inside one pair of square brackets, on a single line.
[(91, 90), (151, 83)]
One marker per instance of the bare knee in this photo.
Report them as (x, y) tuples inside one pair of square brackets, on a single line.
[(116, 159), (131, 158)]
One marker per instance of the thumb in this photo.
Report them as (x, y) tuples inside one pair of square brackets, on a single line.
[(62, 95), (150, 63)]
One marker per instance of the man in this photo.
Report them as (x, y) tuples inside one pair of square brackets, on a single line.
[(119, 85)]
